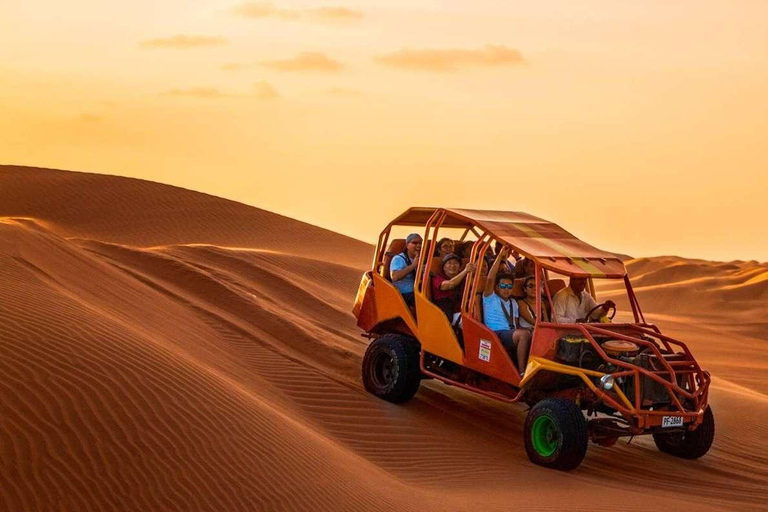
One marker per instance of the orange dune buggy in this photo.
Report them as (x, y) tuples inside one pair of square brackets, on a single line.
[(583, 381)]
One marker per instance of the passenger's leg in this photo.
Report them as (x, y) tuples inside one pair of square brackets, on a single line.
[(507, 340), (458, 329), (522, 338)]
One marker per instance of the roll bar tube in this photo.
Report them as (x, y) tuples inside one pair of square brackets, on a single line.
[(438, 216), (478, 251)]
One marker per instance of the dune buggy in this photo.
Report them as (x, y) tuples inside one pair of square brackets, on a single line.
[(583, 381)]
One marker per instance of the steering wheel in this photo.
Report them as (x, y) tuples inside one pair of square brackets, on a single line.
[(589, 315)]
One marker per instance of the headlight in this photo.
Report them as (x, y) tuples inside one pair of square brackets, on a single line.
[(606, 381)]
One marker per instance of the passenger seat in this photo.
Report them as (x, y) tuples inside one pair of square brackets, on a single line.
[(555, 285), (518, 290)]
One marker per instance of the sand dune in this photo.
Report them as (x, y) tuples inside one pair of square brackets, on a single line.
[(145, 214), (697, 287), (164, 349)]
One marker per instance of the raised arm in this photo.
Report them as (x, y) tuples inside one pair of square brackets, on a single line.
[(490, 281), (450, 284)]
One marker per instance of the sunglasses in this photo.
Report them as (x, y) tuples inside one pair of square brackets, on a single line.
[(506, 286)]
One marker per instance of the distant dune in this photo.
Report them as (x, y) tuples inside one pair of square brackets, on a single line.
[(146, 214), (669, 283), (164, 349)]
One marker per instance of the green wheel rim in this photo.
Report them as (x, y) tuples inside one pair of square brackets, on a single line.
[(544, 435)]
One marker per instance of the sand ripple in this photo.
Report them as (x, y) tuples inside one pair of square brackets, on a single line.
[(157, 357)]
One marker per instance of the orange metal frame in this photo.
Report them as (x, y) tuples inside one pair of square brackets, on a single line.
[(542, 349)]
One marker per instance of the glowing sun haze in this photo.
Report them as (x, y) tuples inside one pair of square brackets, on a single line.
[(641, 127)]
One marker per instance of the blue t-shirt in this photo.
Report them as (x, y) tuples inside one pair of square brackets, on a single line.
[(493, 315), (404, 285)]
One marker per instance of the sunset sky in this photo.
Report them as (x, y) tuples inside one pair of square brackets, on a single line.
[(640, 126)]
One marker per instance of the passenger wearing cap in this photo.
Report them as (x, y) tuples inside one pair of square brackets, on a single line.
[(447, 286), (402, 269)]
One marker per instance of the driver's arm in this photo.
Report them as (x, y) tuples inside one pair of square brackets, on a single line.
[(588, 303), (490, 281)]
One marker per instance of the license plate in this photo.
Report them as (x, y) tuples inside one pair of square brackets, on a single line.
[(671, 421)]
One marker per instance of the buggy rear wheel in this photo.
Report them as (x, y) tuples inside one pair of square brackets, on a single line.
[(690, 444), (556, 434), (391, 368)]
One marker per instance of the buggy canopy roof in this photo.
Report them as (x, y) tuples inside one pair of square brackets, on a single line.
[(548, 244)]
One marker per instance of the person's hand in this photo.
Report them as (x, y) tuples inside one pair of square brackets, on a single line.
[(416, 259), (609, 304), (470, 267)]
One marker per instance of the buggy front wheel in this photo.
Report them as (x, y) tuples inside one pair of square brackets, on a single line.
[(690, 444), (556, 434)]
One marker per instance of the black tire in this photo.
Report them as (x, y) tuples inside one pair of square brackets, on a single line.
[(564, 430), (690, 444), (391, 368)]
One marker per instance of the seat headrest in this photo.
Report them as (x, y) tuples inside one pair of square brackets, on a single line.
[(436, 266), (555, 285), (396, 246), (518, 289)]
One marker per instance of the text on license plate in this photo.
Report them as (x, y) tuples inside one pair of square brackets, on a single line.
[(671, 421)]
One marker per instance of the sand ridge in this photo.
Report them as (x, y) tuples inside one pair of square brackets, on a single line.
[(700, 287), (195, 368)]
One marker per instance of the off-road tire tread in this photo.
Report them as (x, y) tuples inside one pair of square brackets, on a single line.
[(695, 444), (406, 351), (573, 426)]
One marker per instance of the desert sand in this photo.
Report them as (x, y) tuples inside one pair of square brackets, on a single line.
[(163, 349)]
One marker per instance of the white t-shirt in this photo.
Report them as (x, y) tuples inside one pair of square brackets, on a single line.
[(568, 307)]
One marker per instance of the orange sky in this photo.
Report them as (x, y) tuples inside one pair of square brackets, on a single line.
[(640, 126)]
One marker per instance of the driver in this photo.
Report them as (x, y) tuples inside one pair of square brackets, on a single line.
[(573, 303)]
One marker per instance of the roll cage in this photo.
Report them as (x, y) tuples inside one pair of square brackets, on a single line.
[(435, 218), (554, 250)]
